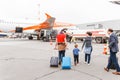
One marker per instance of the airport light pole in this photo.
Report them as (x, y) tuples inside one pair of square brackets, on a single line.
[(38, 11)]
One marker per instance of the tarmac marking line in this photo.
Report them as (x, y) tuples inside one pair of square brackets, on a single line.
[(88, 74), (12, 58), (46, 74)]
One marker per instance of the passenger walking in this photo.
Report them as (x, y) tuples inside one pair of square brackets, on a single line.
[(76, 54), (73, 39), (87, 46), (61, 44), (113, 47)]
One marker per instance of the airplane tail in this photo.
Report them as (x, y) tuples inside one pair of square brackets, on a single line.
[(48, 16), (50, 21), (47, 24)]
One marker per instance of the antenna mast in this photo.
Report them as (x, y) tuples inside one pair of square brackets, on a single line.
[(38, 11)]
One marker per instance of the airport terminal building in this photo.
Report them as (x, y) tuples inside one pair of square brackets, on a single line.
[(114, 24)]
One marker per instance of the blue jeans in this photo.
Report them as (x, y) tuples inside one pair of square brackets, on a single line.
[(113, 60), (87, 58), (61, 55)]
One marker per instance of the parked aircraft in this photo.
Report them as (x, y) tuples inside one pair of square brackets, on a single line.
[(25, 27)]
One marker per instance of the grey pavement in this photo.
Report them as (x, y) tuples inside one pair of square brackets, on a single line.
[(21, 59)]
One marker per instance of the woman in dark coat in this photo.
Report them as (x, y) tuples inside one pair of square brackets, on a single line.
[(87, 45)]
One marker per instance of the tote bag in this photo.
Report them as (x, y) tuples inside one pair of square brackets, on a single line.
[(87, 50)]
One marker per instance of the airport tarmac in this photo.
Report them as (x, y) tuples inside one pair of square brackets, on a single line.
[(22, 59)]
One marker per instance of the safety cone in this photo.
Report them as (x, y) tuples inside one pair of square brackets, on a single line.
[(105, 49)]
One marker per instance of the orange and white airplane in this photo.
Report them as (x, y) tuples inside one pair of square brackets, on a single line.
[(47, 24), (8, 26)]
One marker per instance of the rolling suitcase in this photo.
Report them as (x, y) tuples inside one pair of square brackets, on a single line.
[(66, 63), (112, 66), (54, 62)]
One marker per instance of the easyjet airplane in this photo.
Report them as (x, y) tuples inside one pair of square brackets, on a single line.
[(25, 27)]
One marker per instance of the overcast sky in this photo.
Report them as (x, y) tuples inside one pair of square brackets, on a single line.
[(70, 11)]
